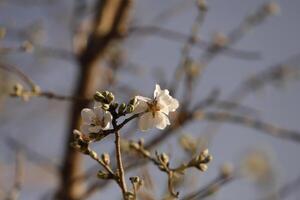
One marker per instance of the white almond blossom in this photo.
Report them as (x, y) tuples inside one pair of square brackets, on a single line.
[(95, 120), (157, 109)]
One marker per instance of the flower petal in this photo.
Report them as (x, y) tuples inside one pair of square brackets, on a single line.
[(97, 104), (99, 112), (157, 91), (87, 115), (146, 121), (85, 128), (161, 120), (141, 105), (107, 118), (165, 100)]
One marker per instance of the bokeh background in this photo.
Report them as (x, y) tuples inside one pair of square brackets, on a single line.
[(41, 124)]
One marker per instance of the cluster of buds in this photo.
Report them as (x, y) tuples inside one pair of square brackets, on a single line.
[(137, 183), (163, 159), (20, 91), (80, 142), (107, 98), (139, 146), (201, 161)]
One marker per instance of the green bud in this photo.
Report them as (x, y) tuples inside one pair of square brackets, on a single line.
[(99, 97), (105, 106), (102, 175), (122, 108), (133, 101), (105, 93), (114, 105), (110, 97), (129, 108)]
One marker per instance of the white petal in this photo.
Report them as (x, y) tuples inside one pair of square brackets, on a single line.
[(99, 112), (97, 104), (157, 91), (87, 115), (107, 120), (165, 100), (85, 128), (141, 98), (141, 106), (174, 104), (146, 121), (161, 120)]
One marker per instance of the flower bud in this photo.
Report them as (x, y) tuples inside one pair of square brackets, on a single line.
[(209, 158), (99, 97), (105, 106), (36, 89), (114, 105), (134, 145), (135, 179), (105, 158), (122, 108), (129, 108), (18, 89), (226, 169), (205, 152), (133, 101), (102, 175), (110, 97), (27, 47), (202, 167), (164, 158)]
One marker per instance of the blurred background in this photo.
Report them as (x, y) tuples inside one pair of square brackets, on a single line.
[(38, 37)]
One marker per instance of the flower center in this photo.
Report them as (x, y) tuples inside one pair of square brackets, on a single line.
[(98, 122), (153, 107)]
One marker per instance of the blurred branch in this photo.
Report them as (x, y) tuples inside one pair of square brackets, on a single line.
[(249, 122), (34, 89), (181, 37), (33, 155), (285, 190), (210, 188), (14, 194)]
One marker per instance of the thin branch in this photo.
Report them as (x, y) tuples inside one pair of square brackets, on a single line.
[(250, 122), (202, 44), (121, 172), (207, 190), (35, 156), (14, 194)]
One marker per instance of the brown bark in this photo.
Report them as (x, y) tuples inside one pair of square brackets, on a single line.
[(110, 24)]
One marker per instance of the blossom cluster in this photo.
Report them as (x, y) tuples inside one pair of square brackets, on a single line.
[(151, 112)]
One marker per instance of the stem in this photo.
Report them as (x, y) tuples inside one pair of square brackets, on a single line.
[(120, 165)]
